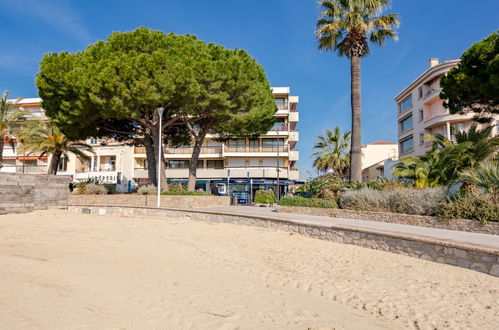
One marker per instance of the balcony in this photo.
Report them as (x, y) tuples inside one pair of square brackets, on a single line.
[(235, 172), (28, 169), (184, 152), (293, 136), (293, 117), (245, 149), (294, 155)]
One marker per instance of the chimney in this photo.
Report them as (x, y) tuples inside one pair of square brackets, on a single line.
[(433, 62)]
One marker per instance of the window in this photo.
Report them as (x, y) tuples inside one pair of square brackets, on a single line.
[(279, 125), (406, 104), (281, 104), (215, 163), (421, 114), (406, 124), (260, 162), (178, 164), (237, 145), (63, 164), (406, 145), (420, 93), (253, 145), (421, 138), (94, 140), (272, 145), (200, 164)]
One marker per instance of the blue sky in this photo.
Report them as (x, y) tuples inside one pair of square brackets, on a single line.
[(278, 33)]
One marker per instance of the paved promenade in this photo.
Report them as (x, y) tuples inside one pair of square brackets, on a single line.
[(475, 239)]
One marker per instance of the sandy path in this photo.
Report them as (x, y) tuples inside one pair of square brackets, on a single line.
[(65, 270)]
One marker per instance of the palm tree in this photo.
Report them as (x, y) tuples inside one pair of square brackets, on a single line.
[(485, 175), (332, 151), (347, 27), (45, 138), (8, 115)]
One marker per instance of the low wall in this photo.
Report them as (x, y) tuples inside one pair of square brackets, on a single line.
[(27, 192), (406, 219), (469, 256), (179, 201)]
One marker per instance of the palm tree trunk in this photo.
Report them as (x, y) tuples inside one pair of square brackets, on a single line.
[(191, 185), (2, 144), (355, 154), (54, 162)]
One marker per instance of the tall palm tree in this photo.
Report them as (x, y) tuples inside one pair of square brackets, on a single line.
[(332, 151), (45, 138), (347, 27), (8, 115)]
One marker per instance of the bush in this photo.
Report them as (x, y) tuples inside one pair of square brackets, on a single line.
[(185, 192), (482, 207), (308, 202), (147, 190), (111, 188), (95, 189), (399, 200), (264, 197)]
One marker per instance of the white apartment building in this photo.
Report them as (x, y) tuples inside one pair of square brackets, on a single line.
[(374, 157), (420, 112), (266, 160)]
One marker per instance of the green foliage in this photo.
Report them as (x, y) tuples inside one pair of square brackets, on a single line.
[(9, 118), (264, 197), (399, 200), (308, 202), (46, 138), (474, 84), (332, 151), (110, 188), (325, 186), (95, 189), (185, 192), (483, 208), (485, 175), (447, 159), (347, 26), (147, 190)]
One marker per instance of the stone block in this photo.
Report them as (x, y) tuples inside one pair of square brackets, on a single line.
[(494, 270), (480, 267), (460, 253)]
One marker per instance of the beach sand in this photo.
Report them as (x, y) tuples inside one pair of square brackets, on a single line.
[(62, 270)]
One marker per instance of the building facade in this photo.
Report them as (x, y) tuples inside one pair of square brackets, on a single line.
[(374, 157), (264, 162), (420, 112)]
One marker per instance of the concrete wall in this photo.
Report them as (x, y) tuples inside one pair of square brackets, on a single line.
[(27, 192), (406, 219), (477, 258), (150, 200)]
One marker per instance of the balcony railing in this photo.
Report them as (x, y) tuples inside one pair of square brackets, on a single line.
[(256, 149), (183, 150), (24, 169)]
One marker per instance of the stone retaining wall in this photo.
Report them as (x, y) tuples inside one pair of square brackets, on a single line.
[(27, 192), (406, 219), (482, 259), (178, 201)]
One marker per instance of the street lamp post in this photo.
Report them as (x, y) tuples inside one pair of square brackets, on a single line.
[(160, 150)]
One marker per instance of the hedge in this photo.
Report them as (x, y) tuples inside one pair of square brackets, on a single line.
[(308, 202)]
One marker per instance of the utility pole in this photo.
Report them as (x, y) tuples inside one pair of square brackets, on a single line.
[(160, 150)]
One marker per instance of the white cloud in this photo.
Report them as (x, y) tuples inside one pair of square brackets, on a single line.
[(57, 14)]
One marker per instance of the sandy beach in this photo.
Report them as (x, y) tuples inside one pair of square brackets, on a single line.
[(62, 270)]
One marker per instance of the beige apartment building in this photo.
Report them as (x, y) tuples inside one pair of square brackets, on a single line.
[(374, 157), (236, 164), (420, 112)]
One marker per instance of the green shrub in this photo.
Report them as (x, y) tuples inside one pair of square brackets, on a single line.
[(308, 202), (95, 189), (482, 207), (147, 190), (111, 188), (399, 200), (185, 192), (264, 197)]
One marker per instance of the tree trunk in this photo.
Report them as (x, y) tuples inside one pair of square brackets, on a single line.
[(2, 144), (356, 153), (151, 159), (54, 162), (193, 165)]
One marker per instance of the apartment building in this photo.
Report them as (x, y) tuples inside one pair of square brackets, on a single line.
[(374, 157), (420, 111), (240, 165)]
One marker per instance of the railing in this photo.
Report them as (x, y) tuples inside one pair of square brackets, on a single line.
[(183, 150), (24, 169), (101, 169), (280, 128), (282, 106), (257, 149)]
